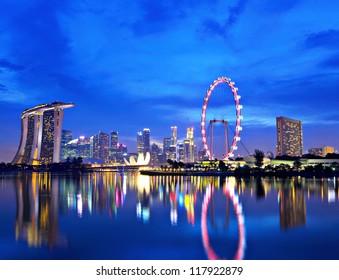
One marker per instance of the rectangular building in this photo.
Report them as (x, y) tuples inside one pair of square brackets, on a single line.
[(289, 137)]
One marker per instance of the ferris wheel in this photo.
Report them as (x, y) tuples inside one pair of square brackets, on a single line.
[(205, 122)]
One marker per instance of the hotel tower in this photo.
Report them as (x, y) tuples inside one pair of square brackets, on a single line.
[(41, 128), (289, 137)]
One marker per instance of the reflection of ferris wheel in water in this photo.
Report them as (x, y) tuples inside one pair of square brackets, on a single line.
[(207, 124), (229, 192)]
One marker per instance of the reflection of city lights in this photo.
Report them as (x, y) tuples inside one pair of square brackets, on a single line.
[(79, 205), (89, 202), (181, 200), (139, 211), (124, 183), (145, 214), (174, 216), (331, 195), (143, 183), (161, 194)]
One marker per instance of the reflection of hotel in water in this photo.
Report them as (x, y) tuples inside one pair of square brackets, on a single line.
[(37, 210), (292, 207)]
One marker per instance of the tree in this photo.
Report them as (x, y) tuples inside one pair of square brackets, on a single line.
[(297, 165), (259, 158), (223, 167)]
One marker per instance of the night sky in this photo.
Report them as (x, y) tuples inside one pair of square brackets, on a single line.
[(128, 65)]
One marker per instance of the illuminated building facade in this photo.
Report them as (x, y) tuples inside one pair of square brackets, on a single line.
[(166, 148), (180, 148), (189, 147), (66, 137), (114, 146), (140, 142), (84, 147), (327, 150), (41, 128), (289, 137), (144, 141), (173, 152), (174, 135), (146, 138), (100, 146), (155, 150), (315, 151)]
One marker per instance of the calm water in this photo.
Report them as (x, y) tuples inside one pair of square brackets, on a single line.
[(130, 216)]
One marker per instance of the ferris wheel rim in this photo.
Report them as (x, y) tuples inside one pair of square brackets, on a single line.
[(238, 107)]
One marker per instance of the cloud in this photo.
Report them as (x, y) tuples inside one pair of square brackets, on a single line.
[(328, 39), (157, 16), (3, 88), (10, 66), (221, 28), (332, 62)]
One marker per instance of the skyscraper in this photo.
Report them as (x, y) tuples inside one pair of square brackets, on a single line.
[(146, 137), (154, 154), (166, 148), (144, 141), (140, 142), (100, 146), (289, 137), (189, 150), (174, 135), (103, 146), (84, 147), (41, 128), (114, 146), (66, 137)]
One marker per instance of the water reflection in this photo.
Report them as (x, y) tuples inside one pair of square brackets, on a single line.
[(42, 198), (37, 211), (292, 205), (230, 196)]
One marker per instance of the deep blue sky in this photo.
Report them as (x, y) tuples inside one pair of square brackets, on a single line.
[(134, 64)]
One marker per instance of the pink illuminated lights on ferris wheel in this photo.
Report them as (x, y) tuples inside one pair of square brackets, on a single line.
[(239, 117)]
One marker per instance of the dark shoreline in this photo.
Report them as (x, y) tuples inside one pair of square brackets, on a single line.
[(185, 173), (235, 174)]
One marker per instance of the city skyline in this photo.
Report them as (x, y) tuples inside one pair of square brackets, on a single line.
[(131, 66)]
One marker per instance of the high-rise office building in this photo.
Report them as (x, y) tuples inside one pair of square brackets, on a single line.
[(66, 137), (41, 128), (173, 152), (114, 146), (189, 147), (146, 137), (144, 141), (103, 146), (166, 148), (181, 150), (121, 153), (100, 146), (84, 147), (155, 150), (174, 135), (289, 137), (140, 142), (190, 133)]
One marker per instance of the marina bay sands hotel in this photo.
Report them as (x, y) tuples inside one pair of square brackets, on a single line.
[(41, 128)]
